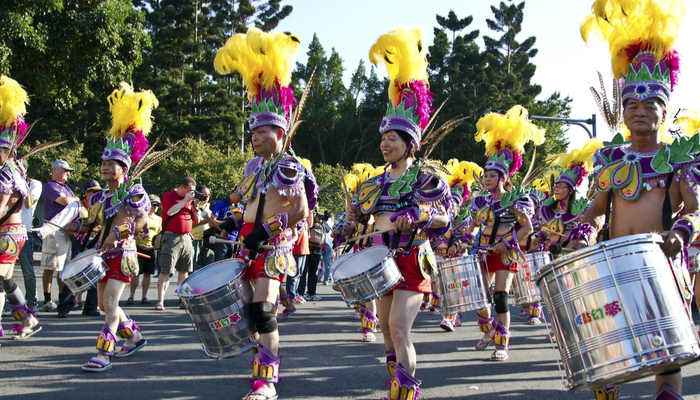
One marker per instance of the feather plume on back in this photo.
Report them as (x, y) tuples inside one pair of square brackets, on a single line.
[(13, 107), (511, 130)]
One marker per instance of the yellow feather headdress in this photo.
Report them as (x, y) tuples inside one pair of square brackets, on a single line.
[(688, 121), (577, 164), (462, 175), (505, 137), (13, 107)]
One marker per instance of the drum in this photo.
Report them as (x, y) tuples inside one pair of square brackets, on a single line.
[(84, 271), (217, 298), (463, 284), (617, 312), (525, 290), (694, 258), (366, 275)]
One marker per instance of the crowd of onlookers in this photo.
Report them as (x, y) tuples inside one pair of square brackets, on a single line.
[(180, 222)]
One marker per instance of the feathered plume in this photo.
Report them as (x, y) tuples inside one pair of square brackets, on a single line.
[(151, 158), (13, 107), (463, 174), (510, 131), (611, 109), (688, 121), (131, 112), (580, 161), (546, 183), (306, 163), (42, 147), (265, 62), (632, 26)]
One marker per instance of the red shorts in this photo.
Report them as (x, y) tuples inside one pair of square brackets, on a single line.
[(494, 263), (256, 268), (16, 235), (413, 279), (114, 268)]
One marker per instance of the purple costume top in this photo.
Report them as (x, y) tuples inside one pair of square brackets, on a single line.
[(12, 178)]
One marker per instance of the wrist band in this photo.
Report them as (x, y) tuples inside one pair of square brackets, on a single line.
[(690, 224), (511, 240), (124, 230), (276, 224), (584, 231)]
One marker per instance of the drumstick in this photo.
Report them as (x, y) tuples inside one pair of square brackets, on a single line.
[(51, 223), (551, 231), (377, 233), (207, 216), (142, 255), (214, 239)]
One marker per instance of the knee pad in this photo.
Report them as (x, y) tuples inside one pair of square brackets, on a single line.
[(500, 300), (263, 316), (9, 285)]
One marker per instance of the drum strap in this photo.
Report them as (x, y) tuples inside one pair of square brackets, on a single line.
[(494, 229), (10, 212), (348, 245), (258, 218), (103, 234)]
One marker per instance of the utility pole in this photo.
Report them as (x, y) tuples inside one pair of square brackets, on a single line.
[(579, 122)]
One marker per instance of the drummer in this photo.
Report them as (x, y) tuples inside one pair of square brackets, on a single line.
[(13, 192), (502, 216), (660, 196), (277, 189), (561, 212), (408, 199), (121, 211)]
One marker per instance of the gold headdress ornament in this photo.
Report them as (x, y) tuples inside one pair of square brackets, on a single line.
[(505, 137)]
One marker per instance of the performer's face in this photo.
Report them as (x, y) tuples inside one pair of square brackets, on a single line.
[(644, 116), (491, 179), (266, 140), (111, 170), (4, 153), (561, 191), (392, 146)]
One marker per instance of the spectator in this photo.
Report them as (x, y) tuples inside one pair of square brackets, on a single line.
[(26, 256), (327, 250), (223, 251), (317, 238), (56, 195), (67, 299), (176, 251), (144, 242), (203, 255), (300, 252)]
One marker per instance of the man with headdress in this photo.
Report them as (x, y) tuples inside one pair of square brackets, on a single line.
[(650, 186), (277, 189), (13, 192), (121, 212)]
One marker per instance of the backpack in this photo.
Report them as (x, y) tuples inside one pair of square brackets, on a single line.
[(317, 235)]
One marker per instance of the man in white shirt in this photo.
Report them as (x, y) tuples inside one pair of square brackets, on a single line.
[(26, 256)]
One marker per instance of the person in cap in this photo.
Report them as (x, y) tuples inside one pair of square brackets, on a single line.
[(56, 248), (13, 192), (121, 212), (409, 198), (144, 242), (277, 189), (648, 185)]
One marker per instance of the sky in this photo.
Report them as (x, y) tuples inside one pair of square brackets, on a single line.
[(565, 63)]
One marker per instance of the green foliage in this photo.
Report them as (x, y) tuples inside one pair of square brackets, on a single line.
[(39, 165), (330, 195)]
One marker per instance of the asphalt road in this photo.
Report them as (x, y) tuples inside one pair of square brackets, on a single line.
[(323, 358)]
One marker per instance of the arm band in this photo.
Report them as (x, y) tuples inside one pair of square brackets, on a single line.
[(124, 230), (511, 240), (584, 231), (276, 224), (690, 224)]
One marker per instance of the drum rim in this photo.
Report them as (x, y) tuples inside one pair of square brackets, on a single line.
[(389, 255), (76, 259), (608, 244), (238, 276)]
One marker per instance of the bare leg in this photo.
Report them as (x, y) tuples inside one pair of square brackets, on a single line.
[(133, 286), (486, 312), (46, 278), (403, 311), (675, 381), (145, 285), (163, 283), (383, 310), (503, 281)]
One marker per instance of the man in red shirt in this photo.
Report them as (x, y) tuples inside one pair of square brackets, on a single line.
[(176, 251)]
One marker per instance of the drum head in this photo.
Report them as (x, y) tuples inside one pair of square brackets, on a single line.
[(360, 262), (211, 277), (78, 263)]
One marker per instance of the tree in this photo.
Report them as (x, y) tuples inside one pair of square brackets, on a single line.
[(454, 25)]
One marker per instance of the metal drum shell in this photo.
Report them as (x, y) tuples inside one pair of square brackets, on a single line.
[(694, 266), (227, 302), (455, 295), (86, 277), (376, 281), (525, 290), (617, 313)]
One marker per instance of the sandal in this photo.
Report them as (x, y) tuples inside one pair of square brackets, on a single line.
[(287, 312), (20, 333), (483, 343), (145, 301), (534, 321), (524, 313), (102, 366), (131, 348), (368, 337), (129, 301), (159, 306), (260, 392), (499, 355)]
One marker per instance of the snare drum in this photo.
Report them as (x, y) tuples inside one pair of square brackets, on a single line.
[(84, 271), (217, 298), (366, 275), (463, 284), (617, 312), (694, 258), (525, 290)]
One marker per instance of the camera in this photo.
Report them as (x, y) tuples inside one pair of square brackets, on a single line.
[(199, 196)]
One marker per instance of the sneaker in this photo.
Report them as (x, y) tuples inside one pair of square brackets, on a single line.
[(315, 298), (6, 312), (299, 300), (62, 315), (37, 313), (78, 306), (307, 297), (50, 306)]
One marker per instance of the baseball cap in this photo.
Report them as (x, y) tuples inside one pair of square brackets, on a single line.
[(61, 164), (91, 185), (154, 199)]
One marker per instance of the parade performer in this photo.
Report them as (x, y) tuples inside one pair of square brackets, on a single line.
[(121, 212), (561, 212), (277, 189), (502, 216), (409, 197), (462, 175), (648, 185), (13, 192)]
